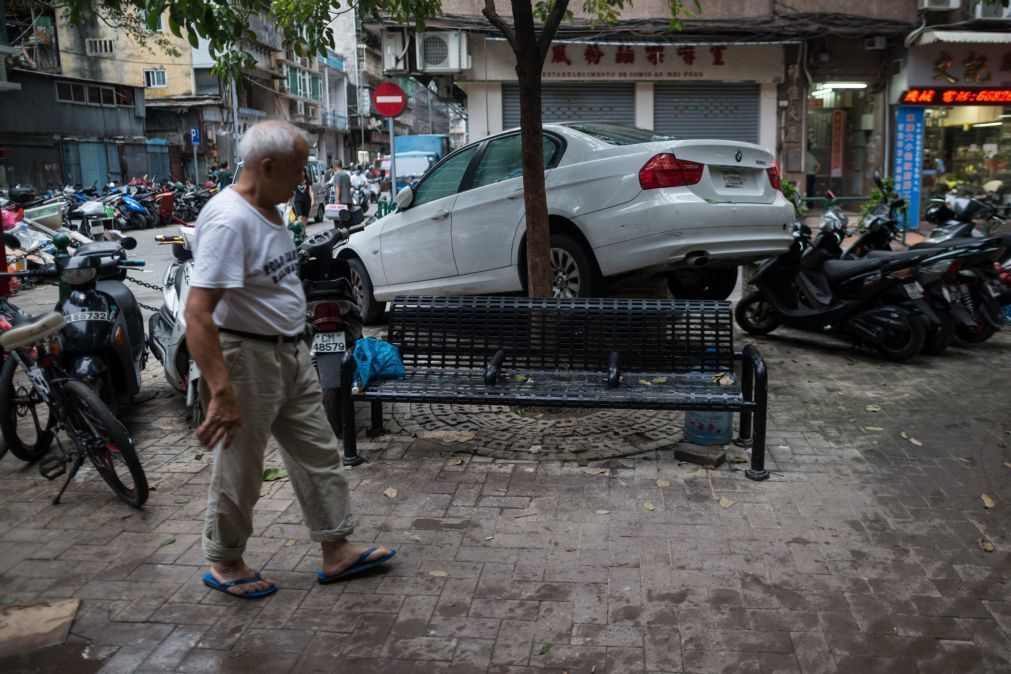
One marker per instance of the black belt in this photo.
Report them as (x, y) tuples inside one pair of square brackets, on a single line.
[(285, 339)]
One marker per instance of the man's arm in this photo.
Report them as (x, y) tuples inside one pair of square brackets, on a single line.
[(222, 421)]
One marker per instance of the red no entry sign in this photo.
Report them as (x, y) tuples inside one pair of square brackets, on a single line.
[(389, 99)]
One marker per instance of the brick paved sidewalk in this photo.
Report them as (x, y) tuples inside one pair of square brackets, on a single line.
[(859, 555)]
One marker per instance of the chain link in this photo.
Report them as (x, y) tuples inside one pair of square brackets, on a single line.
[(146, 285)]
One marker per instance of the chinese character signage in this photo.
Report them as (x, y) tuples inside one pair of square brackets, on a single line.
[(958, 64), (838, 142), (909, 160), (953, 96)]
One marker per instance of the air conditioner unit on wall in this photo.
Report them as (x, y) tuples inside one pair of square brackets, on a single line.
[(983, 10), (394, 53), (442, 51), (938, 5)]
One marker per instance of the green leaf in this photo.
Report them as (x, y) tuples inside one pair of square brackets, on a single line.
[(198, 456), (8, 600), (545, 649), (274, 474), (520, 378), (660, 380), (192, 36), (182, 501)]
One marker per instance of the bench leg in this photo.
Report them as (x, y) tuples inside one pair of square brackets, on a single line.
[(761, 392), (376, 429), (748, 389), (349, 430)]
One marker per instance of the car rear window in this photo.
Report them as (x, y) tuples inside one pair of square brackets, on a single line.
[(618, 135)]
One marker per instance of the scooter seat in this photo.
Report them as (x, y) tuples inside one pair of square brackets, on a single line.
[(840, 270), (99, 249)]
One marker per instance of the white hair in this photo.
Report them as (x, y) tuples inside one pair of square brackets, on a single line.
[(271, 138)]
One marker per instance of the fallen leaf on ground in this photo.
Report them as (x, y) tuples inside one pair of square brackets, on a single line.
[(504, 491), (390, 492), (1007, 464), (648, 506), (8, 600), (985, 545), (535, 449), (457, 462), (915, 442), (595, 471), (289, 543), (873, 408), (446, 436), (182, 501), (660, 380), (725, 379), (168, 541), (544, 649), (876, 429), (662, 482), (265, 488), (438, 574), (738, 459), (520, 378), (602, 512), (273, 474), (988, 501), (726, 502), (645, 382), (488, 538), (198, 456)]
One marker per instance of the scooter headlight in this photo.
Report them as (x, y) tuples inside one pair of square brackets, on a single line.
[(79, 276)]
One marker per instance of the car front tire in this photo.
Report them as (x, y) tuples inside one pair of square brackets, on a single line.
[(702, 284), (372, 310)]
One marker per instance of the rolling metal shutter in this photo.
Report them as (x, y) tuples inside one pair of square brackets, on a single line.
[(575, 102), (706, 110)]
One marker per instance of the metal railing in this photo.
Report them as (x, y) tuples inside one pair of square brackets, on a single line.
[(335, 120)]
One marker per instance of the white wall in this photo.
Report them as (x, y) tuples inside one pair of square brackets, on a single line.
[(644, 105), (767, 116), (484, 108)]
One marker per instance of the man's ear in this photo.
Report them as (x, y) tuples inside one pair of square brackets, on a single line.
[(267, 166)]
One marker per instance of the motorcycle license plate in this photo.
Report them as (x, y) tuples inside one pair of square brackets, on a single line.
[(329, 342), (914, 290)]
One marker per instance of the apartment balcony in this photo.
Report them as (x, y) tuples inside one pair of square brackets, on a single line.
[(334, 120)]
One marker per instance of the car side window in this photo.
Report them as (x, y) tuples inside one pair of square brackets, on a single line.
[(445, 179), (314, 172), (503, 159)]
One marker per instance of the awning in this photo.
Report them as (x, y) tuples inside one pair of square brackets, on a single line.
[(962, 37)]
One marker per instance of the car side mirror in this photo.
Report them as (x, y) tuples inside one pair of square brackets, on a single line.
[(404, 198), (877, 180)]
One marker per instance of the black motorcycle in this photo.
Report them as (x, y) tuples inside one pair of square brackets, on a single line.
[(868, 301), (333, 319)]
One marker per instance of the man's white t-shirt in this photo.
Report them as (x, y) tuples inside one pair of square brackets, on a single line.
[(238, 249)]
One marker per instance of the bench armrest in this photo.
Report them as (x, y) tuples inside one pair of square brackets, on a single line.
[(491, 372), (613, 370)]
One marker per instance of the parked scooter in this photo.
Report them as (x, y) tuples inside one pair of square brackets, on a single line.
[(860, 299), (167, 327), (102, 342), (333, 319)]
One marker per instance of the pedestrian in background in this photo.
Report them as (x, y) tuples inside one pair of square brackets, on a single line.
[(245, 316)]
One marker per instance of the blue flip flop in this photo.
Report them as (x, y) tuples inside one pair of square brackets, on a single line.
[(212, 582), (359, 566)]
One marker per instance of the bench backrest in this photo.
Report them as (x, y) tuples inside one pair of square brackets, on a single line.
[(578, 334)]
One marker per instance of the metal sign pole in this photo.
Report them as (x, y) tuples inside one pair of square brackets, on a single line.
[(196, 169), (393, 165)]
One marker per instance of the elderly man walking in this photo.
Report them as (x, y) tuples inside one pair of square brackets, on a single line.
[(245, 316)]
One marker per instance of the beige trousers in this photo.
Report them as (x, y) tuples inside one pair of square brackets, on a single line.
[(278, 394)]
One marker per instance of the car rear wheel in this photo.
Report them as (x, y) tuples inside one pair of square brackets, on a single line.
[(319, 213), (572, 271), (372, 310), (702, 284)]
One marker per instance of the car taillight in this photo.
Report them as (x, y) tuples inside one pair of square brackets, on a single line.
[(666, 170), (326, 316), (773, 172)]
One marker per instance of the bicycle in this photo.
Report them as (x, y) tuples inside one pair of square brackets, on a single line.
[(32, 378)]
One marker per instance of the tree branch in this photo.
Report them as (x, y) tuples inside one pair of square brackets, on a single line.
[(492, 15), (551, 27)]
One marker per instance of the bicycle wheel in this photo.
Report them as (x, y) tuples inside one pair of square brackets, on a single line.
[(107, 441), (26, 421)]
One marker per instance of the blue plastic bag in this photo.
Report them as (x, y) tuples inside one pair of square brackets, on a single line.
[(377, 359)]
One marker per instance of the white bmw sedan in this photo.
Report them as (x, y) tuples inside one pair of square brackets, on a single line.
[(620, 200)]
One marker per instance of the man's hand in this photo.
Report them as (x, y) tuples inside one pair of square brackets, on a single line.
[(222, 422), (223, 418)]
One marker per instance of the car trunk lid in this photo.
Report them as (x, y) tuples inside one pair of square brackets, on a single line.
[(734, 172)]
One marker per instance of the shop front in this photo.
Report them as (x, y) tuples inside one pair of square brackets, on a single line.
[(684, 90), (953, 118)]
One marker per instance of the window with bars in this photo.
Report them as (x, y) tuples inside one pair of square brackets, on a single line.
[(154, 78), (94, 46)]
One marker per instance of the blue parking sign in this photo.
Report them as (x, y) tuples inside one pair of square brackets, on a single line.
[(195, 136)]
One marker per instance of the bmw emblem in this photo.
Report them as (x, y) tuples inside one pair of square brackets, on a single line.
[(738, 156)]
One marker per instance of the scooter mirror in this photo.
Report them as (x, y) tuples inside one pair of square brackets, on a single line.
[(877, 181), (129, 243)]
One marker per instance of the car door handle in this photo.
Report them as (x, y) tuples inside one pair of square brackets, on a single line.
[(441, 215), (518, 192)]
